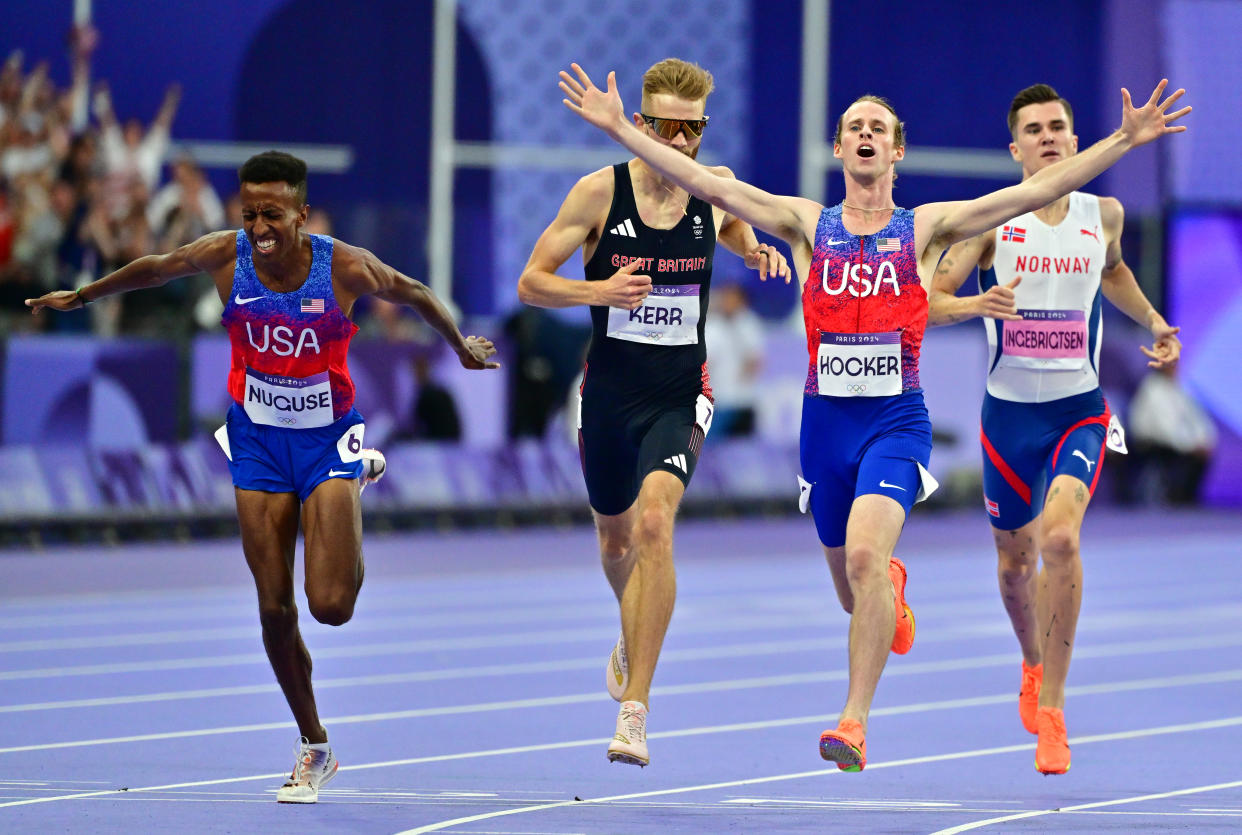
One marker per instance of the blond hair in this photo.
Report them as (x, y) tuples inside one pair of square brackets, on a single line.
[(677, 78)]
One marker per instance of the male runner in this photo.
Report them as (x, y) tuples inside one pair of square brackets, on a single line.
[(864, 268), (293, 437), (645, 404), (1045, 420)]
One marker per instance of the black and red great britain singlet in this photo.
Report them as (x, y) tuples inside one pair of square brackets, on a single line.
[(654, 354)]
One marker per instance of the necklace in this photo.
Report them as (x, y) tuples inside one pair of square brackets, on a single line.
[(664, 186), (861, 209)]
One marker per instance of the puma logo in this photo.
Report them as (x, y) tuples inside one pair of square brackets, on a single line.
[(1090, 463), (1091, 234)]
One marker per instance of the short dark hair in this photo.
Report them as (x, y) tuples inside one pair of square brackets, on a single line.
[(275, 167), (1036, 94)]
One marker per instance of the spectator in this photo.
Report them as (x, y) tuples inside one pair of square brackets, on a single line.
[(1172, 439), (185, 209), (435, 411), (131, 153), (734, 336)]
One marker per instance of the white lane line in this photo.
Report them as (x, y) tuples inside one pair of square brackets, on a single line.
[(966, 827), (1118, 649), (583, 698), (973, 629), (1231, 721), (1133, 734)]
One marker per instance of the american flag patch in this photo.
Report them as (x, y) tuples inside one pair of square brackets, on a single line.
[(1013, 233), (312, 305), (888, 244), (993, 507)]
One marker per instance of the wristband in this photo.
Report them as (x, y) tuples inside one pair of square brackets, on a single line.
[(85, 301)]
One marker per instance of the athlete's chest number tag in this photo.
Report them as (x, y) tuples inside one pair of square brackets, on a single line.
[(668, 316), (288, 402), (859, 364), (1048, 340)]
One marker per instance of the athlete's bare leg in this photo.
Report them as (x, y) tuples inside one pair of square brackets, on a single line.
[(647, 603), (616, 535), (269, 530), (1018, 575), (332, 526), (860, 573), (1064, 509)]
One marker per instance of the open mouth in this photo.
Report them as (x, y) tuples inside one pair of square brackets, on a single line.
[(866, 151), (265, 245)]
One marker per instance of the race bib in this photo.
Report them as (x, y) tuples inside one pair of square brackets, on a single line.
[(668, 316), (859, 364), (288, 402), (1045, 340)]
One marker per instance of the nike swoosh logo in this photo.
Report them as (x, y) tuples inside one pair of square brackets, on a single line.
[(338, 472), (837, 243), (240, 300), (884, 483)]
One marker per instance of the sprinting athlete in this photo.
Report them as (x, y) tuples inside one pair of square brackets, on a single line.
[(293, 437), (646, 401), (865, 266), (1045, 420)]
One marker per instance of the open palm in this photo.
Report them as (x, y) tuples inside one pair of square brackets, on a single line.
[(1151, 121), (600, 108)]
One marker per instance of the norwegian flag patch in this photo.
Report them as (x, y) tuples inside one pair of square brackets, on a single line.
[(1013, 233), (993, 507)]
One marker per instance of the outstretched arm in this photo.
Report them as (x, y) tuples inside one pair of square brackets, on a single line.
[(363, 274), (940, 225), (209, 254), (1119, 287), (738, 237), (791, 219)]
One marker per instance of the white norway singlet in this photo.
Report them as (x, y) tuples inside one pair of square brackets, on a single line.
[(1054, 351)]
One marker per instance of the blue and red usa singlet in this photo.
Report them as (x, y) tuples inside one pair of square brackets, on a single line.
[(288, 368), (865, 309)]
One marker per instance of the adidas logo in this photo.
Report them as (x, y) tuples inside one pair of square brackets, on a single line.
[(678, 461), (625, 229)]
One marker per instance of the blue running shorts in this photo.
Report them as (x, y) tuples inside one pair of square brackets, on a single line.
[(855, 446), (278, 460), (1027, 445)]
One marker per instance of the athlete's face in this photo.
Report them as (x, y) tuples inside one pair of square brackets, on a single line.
[(1043, 135), (271, 216), (668, 106), (866, 147)]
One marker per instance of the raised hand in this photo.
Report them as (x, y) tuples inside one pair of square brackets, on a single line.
[(998, 302), (1166, 347), (600, 108), (625, 289), (1151, 121), (57, 300), (476, 352), (769, 261)]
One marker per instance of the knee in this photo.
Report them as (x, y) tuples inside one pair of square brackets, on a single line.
[(1016, 567), (333, 608), (863, 565), (613, 547), (654, 529), (1060, 544), (278, 618)]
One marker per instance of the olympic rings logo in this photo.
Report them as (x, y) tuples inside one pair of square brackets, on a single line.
[(287, 421), (856, 388)]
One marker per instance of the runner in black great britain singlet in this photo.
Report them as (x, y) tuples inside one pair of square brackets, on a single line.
[(645, 401), (865, 268), (646, 396)]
